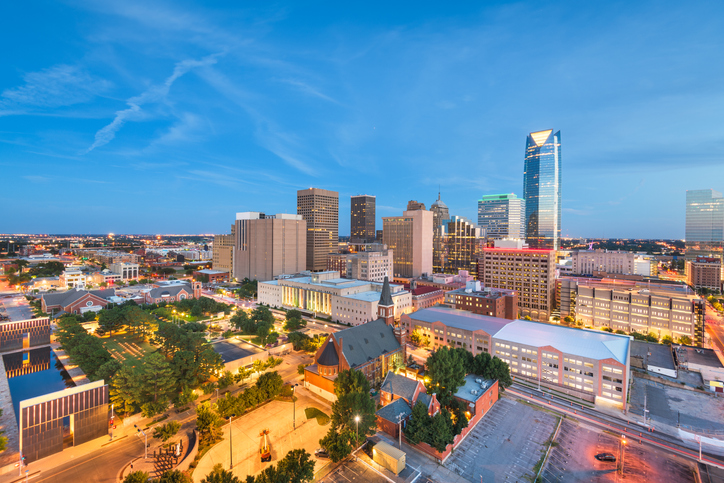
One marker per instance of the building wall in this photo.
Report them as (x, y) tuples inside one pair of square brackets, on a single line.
[(223, 252), (410, 239), (705, 273), (502, 216), (13, 334), (127, 270), (640, 311), (41, 419), (268, 247), (372, 266), (585, 262), (542, 189), (320, 210), (362, 218), (501, 306), (531, 273)]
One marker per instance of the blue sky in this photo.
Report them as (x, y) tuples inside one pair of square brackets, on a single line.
[(153, 117)]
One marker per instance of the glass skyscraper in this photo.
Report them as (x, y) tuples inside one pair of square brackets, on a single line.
[(704, 223), (542, 189), (502, 216)]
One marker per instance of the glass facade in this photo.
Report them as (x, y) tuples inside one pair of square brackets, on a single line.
[(704, 223), (542, 189), (362, 218), (502, 216)]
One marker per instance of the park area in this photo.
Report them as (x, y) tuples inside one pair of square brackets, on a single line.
[(124, 345)]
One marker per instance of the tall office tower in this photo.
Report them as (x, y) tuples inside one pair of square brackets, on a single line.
[(223, 252), (320, 209), (440, 214), (414, 205), (542, 189), (502, 216), (464, 242), (269, 245), (362, 219), (410, 238), (704, 224)]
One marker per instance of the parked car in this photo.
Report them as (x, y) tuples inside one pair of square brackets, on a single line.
[(321, 453), (605, 457)]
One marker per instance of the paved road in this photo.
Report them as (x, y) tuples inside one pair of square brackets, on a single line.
[(17, 308)]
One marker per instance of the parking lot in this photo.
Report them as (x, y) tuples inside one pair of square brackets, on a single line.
[(572, 459), (666, 404), (353, 470), (505, 445), (16, 308)]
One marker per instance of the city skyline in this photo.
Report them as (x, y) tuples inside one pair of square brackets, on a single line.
[(113, 115)]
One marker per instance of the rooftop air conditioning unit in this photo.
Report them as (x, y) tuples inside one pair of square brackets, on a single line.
[(478, 381), (474, 391)]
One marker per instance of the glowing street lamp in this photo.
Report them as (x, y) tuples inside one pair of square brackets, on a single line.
[(356, 420)]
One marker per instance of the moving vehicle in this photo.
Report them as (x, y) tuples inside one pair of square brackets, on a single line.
[(605, 457)]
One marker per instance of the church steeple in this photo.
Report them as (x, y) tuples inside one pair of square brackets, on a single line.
[(386, 306)]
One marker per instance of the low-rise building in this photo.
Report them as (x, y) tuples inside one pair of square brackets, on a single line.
[(214, 276), (644, 307), (127, 270), (73, 277), (105, 276), (496, 302), (589, 364), (75, 301), (704, 272), (347, 301), (424, 296), (373, 348), (172, 291)]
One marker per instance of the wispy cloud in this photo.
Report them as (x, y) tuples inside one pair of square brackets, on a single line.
[(156, 93), (60, 85), (307, 89), (37, 179)]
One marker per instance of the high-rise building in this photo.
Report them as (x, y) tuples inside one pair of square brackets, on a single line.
[(223, 252), (463, 241), (410, 238), (704, 224), (320, 209), (530, 272), (370, 265), (266, 246), (542, 189), (704, 273), (439, 210), (440, 215), (502, 216), (414, 205), (362, 218)]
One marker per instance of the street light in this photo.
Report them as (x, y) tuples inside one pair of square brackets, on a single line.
[(294, 408), (139, 432), (356, 420), (231, 447), (622, 451)]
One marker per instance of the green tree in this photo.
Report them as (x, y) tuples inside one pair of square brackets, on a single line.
[(110, 320), (296, 467), (208, 424), (157, 376), (667, 339), (446, 370), (174, 476), (136, 477), (3, 439), (220, 475), (569, 320), (269, 385), (441, 430), (353, 413), (89, 316), (685, 339), (166, 431), (651, 337), (498, 370), (417, 428), (242, 374), (226, 380)]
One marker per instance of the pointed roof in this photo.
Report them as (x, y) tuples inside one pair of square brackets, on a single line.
[(386, 296), (329, 356), (541, 137)]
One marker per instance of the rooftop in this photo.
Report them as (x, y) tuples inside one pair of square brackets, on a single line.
[(460, 319), (702, 357), (366, 342), (654, 354), (392, 410), (474, 388), (211, 272), (592, 344), (398, 385)]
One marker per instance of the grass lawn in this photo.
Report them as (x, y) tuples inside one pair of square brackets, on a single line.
[(123, 345), (322, 418)]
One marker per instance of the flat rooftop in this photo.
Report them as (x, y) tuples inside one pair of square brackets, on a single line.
[(473, 390), (653, 354), (702, 357), (460, 319)]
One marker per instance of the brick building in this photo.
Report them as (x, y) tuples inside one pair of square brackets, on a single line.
[(704, 272), (424, 296), (172, 291), (370, 348), (496, 302), (75, 301)]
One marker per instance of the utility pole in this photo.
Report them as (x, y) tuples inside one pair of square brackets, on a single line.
[(698, 440), (294, 408), (645, 410), (140, 432)]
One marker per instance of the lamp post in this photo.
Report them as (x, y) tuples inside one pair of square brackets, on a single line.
[(622, 451), (294, 408), (231, 445), (139, 432), (356, 420)]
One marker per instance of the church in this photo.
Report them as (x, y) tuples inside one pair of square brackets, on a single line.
[(370, 348)]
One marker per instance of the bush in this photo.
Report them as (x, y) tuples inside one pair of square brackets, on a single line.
[(151, 409)]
